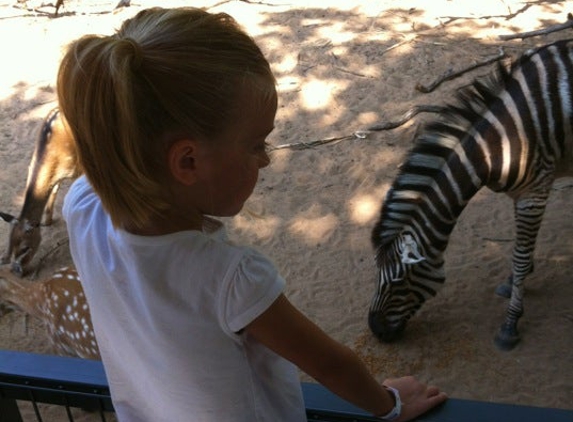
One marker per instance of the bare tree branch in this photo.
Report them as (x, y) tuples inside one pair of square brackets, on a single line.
[(452, 75), (545, 31), (244, 1), (312, 144), (363, 134), (406, 117)]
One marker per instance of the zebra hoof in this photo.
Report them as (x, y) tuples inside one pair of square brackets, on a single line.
[(506, 341), (504, 290)]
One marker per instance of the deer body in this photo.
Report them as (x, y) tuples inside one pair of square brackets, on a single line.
[(59, 302), (54, 160)]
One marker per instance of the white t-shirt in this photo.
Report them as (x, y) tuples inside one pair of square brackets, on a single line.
[(168, 313)]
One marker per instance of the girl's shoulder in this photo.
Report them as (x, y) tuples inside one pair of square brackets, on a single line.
[(79, 198)]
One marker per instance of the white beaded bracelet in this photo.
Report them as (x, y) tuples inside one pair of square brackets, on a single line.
[(397, 410)]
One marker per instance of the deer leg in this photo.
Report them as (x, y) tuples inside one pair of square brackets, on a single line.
[(528, 216), (5, 259), (6, 256)]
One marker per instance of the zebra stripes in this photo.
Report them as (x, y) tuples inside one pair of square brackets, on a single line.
[(511, 132)]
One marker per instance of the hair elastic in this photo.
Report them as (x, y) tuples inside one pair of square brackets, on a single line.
[(137, 54)]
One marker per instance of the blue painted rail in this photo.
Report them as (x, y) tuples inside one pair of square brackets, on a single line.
[(72, 382)]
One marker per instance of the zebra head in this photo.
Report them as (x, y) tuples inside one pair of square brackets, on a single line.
[(405, 276)]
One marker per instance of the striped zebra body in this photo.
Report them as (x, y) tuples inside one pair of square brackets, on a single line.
[(511, 132)]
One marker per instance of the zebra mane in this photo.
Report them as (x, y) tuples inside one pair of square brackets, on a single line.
[(433, 143)]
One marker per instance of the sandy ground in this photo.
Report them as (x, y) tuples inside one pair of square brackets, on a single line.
[(340, 68)]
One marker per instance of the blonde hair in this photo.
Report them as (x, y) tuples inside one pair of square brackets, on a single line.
[(165, 71)]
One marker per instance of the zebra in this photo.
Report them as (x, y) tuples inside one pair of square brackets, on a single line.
[(510, 131)]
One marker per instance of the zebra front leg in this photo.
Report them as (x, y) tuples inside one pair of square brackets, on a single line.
[(504, 289), (508, 336), (529, 212)]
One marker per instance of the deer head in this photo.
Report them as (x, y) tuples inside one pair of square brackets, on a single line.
[(54, 160), (23, 242)]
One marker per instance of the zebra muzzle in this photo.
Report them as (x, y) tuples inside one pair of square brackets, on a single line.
[(384, 330)]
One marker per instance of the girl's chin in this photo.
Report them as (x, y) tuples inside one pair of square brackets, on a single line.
[(228, 213)]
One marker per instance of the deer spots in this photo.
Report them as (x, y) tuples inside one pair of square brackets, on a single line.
[(58, 301)]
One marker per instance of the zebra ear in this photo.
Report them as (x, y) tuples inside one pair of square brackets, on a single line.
[(408, 248), (390, 265)]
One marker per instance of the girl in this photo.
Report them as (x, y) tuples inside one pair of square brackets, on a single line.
[(170, 117)]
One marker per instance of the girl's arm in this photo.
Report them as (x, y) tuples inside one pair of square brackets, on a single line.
[(286, 331)]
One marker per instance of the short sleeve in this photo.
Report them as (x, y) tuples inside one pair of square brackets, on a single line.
[(252, 288), (75, 192)]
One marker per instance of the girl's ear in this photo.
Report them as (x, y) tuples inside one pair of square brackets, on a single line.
[(181, 161)]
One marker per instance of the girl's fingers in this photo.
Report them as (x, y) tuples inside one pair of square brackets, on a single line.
[(432, 390)]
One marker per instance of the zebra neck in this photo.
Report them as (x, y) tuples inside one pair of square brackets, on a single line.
[(430, 193)]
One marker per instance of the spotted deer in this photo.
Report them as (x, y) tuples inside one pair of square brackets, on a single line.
[(59, 302), (54, 160)]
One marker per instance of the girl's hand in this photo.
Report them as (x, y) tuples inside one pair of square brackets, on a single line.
[(417, 397)]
